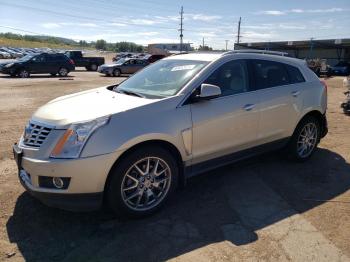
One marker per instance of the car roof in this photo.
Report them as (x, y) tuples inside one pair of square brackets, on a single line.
[(209, 57)]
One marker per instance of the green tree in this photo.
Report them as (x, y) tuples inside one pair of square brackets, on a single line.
[(101, 44)]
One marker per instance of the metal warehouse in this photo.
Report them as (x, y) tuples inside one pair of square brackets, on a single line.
[(333, 50)]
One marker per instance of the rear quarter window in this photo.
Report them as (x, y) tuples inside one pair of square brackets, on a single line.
[(295, 76)]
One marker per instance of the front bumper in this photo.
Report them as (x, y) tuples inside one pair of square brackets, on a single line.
[(87, 177), (105, 70), (70, 202), (7, 70)]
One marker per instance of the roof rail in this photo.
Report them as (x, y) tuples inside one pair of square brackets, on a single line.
[(255, 51)]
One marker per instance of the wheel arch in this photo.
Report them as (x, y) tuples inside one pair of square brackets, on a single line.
[(321, 118), (149, 143)]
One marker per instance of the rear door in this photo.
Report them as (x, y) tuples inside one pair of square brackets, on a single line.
[(229, 123), (53, 63), (280, 100)]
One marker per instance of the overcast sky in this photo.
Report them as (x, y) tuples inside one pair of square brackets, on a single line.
[(152, 21)]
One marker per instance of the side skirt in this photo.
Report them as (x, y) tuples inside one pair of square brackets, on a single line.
[(234, 157)]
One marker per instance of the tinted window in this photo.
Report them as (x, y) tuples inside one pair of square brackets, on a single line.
[(231, 77), (269, 74), (40, 58), (295, 75), (139, 62)]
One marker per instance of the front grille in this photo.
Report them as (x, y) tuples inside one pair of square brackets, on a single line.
[(35, 134)]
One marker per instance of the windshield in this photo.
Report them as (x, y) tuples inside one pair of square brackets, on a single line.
[(119, 61), (26, 58), (162, 79)]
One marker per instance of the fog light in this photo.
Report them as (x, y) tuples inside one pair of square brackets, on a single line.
[(57, 182)]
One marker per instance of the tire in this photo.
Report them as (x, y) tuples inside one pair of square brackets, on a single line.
[(23, 73), (304, 140), (63, 71), (93, 67), (131, 194), (116, 72)]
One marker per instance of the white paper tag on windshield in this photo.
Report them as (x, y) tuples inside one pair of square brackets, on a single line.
[(184, 67)]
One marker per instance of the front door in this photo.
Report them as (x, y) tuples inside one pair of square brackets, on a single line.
[(229, 123)]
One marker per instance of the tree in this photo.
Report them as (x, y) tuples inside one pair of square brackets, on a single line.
[(101, 44)]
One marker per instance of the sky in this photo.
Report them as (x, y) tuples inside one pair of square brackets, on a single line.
[(157, 21)]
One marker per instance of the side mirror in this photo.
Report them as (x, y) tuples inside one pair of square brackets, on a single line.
[(207, 92)]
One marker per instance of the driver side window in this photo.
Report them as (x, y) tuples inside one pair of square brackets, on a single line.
[(231, 77)]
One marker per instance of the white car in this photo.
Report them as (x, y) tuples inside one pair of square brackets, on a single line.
[(132, 144)]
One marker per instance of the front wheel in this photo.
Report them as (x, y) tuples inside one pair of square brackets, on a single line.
[(23, 73), (142, 182), (116, 72), (305, 139)]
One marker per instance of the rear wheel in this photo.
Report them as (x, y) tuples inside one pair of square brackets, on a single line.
[(142, 182), (305, 139), (63, 71), (93, 67), (23, 73), (116, 72)]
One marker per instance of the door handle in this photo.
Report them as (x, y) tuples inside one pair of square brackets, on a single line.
[(295, 93), (248, 107)]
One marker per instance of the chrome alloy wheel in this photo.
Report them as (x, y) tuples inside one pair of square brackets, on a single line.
[(146, 183), (307, 140)]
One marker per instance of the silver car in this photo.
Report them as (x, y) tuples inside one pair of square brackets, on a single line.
[(131, 145)]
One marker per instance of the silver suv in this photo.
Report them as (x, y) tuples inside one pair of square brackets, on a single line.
[(131, 145)]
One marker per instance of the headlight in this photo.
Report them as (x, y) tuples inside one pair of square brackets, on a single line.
[(73, 140), (9, 65)]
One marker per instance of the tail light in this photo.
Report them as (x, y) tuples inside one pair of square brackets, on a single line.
[(71, 61)]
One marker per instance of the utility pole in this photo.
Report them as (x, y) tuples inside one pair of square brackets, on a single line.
[(226, 43), (181, 27), (239, 30)]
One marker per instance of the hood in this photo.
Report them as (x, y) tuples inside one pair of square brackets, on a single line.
[(111, 65), (87, 105)]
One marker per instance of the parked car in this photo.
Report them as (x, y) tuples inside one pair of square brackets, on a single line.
[(153, 58), (4, 54), (122, 55), (132, 144), (123, 66), (90, 63), (341, 68), (38, 64)]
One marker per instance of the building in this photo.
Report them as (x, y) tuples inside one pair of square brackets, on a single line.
[(333, 50), (166, 48)]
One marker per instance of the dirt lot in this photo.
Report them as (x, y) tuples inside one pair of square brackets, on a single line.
[(266, 208)]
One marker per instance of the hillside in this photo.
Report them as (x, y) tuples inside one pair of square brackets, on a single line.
[(31, 44)]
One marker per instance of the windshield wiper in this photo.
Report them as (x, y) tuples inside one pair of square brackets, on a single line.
[(127, 92)]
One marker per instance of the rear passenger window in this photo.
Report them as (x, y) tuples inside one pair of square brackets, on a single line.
[(269, 74), (295, 75)]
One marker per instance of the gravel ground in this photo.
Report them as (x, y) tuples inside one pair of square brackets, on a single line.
[(262, 209)]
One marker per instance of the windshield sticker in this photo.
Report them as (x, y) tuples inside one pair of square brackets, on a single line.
[(184, 67)]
